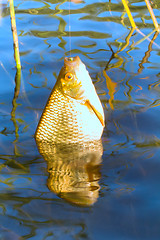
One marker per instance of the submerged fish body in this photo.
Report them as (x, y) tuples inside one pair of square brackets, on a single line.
[(73, 112)]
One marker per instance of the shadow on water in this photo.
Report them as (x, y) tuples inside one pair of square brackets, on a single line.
[(119, 196)]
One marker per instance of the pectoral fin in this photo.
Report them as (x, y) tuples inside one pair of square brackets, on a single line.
[(98, 114)]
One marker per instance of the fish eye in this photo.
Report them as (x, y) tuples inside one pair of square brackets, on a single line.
[(70, 59), (68, 76)]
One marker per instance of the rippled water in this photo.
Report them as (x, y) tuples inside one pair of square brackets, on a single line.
[(127, 178)]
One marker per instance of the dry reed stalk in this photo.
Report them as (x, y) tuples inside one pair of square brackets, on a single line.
[(125, 4), (152, 15)]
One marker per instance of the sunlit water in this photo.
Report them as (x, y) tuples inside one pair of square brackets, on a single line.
[(127, 178)]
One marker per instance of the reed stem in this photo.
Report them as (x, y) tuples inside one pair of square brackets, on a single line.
[(15, 37), (152, 15), (125, 4)]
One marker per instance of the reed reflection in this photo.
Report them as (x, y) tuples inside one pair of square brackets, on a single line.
[(147, 53), (74, 170)]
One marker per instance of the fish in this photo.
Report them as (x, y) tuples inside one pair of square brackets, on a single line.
[(73, 113), (73, 170)]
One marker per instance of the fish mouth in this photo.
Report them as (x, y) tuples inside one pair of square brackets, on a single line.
[(71, 61)]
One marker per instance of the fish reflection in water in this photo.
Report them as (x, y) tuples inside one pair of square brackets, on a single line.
[(74, 170)]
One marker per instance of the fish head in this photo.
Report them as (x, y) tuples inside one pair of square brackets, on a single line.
[(74, 80)]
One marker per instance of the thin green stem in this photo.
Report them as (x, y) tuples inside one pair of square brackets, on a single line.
[(15, 37)]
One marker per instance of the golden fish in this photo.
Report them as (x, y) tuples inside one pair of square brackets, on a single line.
[(73, 112), (74, 170)]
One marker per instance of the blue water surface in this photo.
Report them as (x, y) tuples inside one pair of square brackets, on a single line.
[(127, 205)]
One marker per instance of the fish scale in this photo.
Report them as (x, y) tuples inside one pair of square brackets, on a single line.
[(65, 120), (73, 113)]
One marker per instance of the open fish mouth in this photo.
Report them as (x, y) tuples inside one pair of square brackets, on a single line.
[(72, 61)]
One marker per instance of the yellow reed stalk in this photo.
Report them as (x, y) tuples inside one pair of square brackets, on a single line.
[(152, 15), (15, 37), (125, 4)]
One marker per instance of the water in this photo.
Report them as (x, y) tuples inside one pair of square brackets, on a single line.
[(127, 204)]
